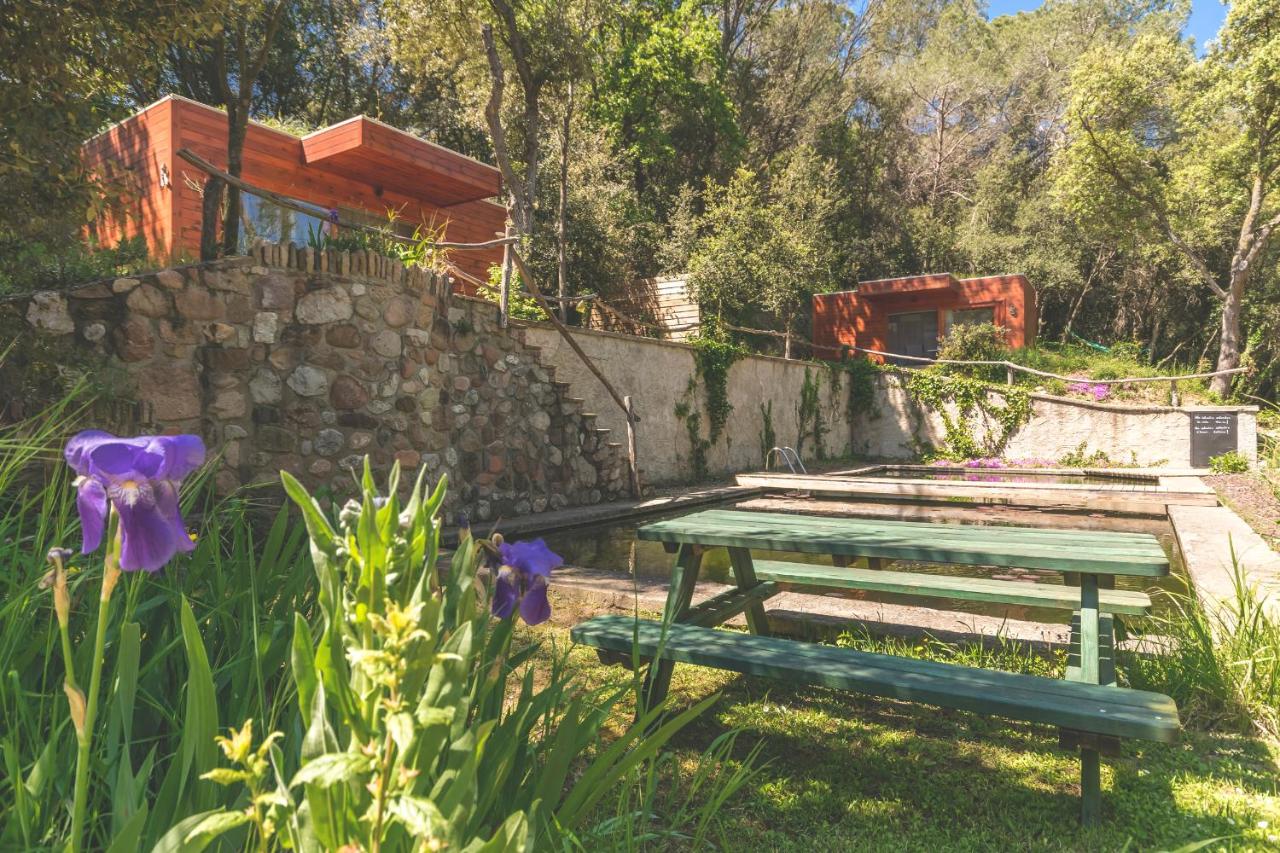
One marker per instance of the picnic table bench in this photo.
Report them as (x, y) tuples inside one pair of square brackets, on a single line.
[(1090, 711)]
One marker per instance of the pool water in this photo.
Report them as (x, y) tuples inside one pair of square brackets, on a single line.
[(613, 547), (996, 475)]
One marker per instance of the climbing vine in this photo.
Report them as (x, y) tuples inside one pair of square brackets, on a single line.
[(862, 374), (712, 359), (970, 400), (809, 415), (768, 438)]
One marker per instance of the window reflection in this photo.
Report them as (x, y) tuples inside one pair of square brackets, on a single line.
[(263, 220)]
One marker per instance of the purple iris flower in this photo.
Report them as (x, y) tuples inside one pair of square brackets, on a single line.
[(140, 477), (522, 580)]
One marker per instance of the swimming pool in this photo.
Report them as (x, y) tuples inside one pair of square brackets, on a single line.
[(979, 474), (613, 547)]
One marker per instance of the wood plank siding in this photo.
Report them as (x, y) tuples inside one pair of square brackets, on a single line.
[(665, 302), (359, 165)]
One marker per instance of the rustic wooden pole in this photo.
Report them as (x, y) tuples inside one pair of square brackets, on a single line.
[(632, 464), (504, 288), (532, 291)]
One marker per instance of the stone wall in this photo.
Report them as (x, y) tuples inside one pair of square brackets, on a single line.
[(308, 361), (657, 375)]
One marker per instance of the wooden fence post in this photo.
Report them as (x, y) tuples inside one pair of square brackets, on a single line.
[(633, 465)]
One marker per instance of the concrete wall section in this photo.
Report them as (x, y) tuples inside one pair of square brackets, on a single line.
[(657, 375), (1147, 436)]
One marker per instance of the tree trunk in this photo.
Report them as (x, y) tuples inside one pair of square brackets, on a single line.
[(562, 247), (237, 126), (1229, 344), (210, 208)]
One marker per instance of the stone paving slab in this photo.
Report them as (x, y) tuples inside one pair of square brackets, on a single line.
[(1207, 537)]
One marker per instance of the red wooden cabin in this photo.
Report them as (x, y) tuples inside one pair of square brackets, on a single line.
[(908, 316), (360, 167)]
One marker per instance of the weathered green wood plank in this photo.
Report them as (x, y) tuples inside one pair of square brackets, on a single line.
[(684, 577), (946, 586), (914, 531), (1106, 648), (720, 608), (1087, 552), (1074, 705), (1068, 536), (1031, 536), (1089, 673), (1088, 616), (744, 574)]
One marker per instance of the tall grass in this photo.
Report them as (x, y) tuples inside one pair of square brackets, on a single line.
[(244, 581), (213, 640), (1220, 664)]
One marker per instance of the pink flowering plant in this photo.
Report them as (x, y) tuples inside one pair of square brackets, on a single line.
[(1097, 390)]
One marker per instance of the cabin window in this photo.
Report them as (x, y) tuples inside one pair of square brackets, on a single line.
[(972, 316), (914, 333), (262, 220)]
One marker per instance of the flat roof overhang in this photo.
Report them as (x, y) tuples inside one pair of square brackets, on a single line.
[(377, 154), (907, 284)]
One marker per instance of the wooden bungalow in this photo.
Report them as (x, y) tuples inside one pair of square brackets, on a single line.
[(361, 167)]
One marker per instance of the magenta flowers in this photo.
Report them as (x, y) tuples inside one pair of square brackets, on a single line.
[(522, 580), (1100, 391), (139, 478)]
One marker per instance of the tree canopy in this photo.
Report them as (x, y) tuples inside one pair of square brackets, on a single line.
[(771, 148)]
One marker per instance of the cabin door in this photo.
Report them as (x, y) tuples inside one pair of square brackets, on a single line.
[(914, 333)]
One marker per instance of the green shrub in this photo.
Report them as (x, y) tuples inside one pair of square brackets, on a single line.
[(1127, 350), (29, 267), (975, 342), (1230, 462), (1082, 458)]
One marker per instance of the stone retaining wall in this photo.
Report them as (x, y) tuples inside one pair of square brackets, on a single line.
[(305, 361), (657, 374)]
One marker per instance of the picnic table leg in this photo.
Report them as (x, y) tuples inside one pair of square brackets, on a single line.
[(684, 577), (744, 572), (1090, 769)]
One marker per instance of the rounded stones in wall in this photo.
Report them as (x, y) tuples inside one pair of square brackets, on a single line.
[(308, 381)]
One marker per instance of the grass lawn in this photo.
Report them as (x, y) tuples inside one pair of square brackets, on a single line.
[(844, 772)]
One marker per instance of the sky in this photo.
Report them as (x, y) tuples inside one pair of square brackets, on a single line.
[(1206, 16)]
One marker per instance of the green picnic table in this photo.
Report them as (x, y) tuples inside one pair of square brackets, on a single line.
[(1091, 712)]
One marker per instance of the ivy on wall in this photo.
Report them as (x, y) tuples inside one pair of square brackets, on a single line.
[(809, 415), (963, 404), (768, 437), (862, 373), (712, 360)]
